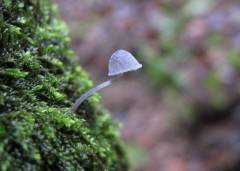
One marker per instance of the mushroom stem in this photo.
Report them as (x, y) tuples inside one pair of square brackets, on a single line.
[(90, 92)]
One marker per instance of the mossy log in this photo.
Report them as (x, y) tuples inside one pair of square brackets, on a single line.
[(39, 80)]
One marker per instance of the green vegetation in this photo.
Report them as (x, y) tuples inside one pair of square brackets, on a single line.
[(39, 80)]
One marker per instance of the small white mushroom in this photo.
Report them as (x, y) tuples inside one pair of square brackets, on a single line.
[(120, 62)]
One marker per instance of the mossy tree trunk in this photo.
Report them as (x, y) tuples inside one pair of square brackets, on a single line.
[(39, 80)]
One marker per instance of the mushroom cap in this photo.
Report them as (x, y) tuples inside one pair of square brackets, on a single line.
[(122, 61)]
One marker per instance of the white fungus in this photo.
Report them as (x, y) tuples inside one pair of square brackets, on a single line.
[(120, 62)]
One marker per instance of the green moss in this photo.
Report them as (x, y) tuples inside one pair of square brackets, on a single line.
[(39, 80)]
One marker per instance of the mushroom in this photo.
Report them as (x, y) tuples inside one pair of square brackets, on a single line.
[(120, 62)]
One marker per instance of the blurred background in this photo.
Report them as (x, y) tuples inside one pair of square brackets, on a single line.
[(181, 112)]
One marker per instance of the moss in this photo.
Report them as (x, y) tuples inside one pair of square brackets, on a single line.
[(39, 80)]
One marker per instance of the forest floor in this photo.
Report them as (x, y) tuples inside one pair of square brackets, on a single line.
[(156, 138)]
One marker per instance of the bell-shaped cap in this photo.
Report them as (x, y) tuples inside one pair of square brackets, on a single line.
[(122, 61)]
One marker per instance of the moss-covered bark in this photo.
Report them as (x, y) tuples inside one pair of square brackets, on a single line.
[(39, 80)]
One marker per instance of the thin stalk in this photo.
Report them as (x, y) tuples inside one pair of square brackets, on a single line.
[(90, 92)]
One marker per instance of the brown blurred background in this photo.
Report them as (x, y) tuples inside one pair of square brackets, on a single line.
[(181, 112)]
